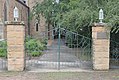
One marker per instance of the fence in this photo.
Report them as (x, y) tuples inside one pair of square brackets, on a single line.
[(114, 54), (3, 55)]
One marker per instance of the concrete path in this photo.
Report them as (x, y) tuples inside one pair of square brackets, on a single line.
[(52, 53)]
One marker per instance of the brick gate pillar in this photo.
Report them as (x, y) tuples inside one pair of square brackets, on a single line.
[(15, 46), (100, 44)]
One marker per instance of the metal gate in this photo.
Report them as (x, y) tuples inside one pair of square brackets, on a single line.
[(114, 54), (3, 55), (3, 49), (65, 50), (114, 50)]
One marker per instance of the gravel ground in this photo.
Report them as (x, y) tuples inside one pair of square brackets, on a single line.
[(95, 75)]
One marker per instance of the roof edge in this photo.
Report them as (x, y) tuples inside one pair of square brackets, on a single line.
[(22, 3)]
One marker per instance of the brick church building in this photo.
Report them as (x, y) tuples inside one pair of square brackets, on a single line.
[(24, 7)]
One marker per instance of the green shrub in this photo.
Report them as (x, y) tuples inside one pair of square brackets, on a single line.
[(34, 47), (35, 54), (3, 48), (44, 41)]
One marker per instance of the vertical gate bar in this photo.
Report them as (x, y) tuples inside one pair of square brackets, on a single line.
[(76, 45), (90, 49), (59, 48)]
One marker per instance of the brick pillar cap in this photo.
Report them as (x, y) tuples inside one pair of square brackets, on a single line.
[(14, 22), (99, 24)]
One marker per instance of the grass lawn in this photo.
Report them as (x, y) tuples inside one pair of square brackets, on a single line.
[(111, 75)]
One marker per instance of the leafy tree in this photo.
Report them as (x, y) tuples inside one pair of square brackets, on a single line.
[(77, 15)]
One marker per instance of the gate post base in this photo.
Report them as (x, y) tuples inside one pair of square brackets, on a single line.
[(100, 44), (15, 46)]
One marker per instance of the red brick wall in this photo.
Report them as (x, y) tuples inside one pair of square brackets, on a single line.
[(23, 11), (42, 26)]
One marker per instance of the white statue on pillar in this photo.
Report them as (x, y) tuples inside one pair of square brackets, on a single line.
[(101, 15), (16, 14)]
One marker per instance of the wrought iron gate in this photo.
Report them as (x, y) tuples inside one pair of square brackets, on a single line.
[(3, 55), (114, 50), (65, 50), (114, 54)]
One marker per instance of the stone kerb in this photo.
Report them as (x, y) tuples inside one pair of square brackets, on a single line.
[(15, 46), (100, 46)]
